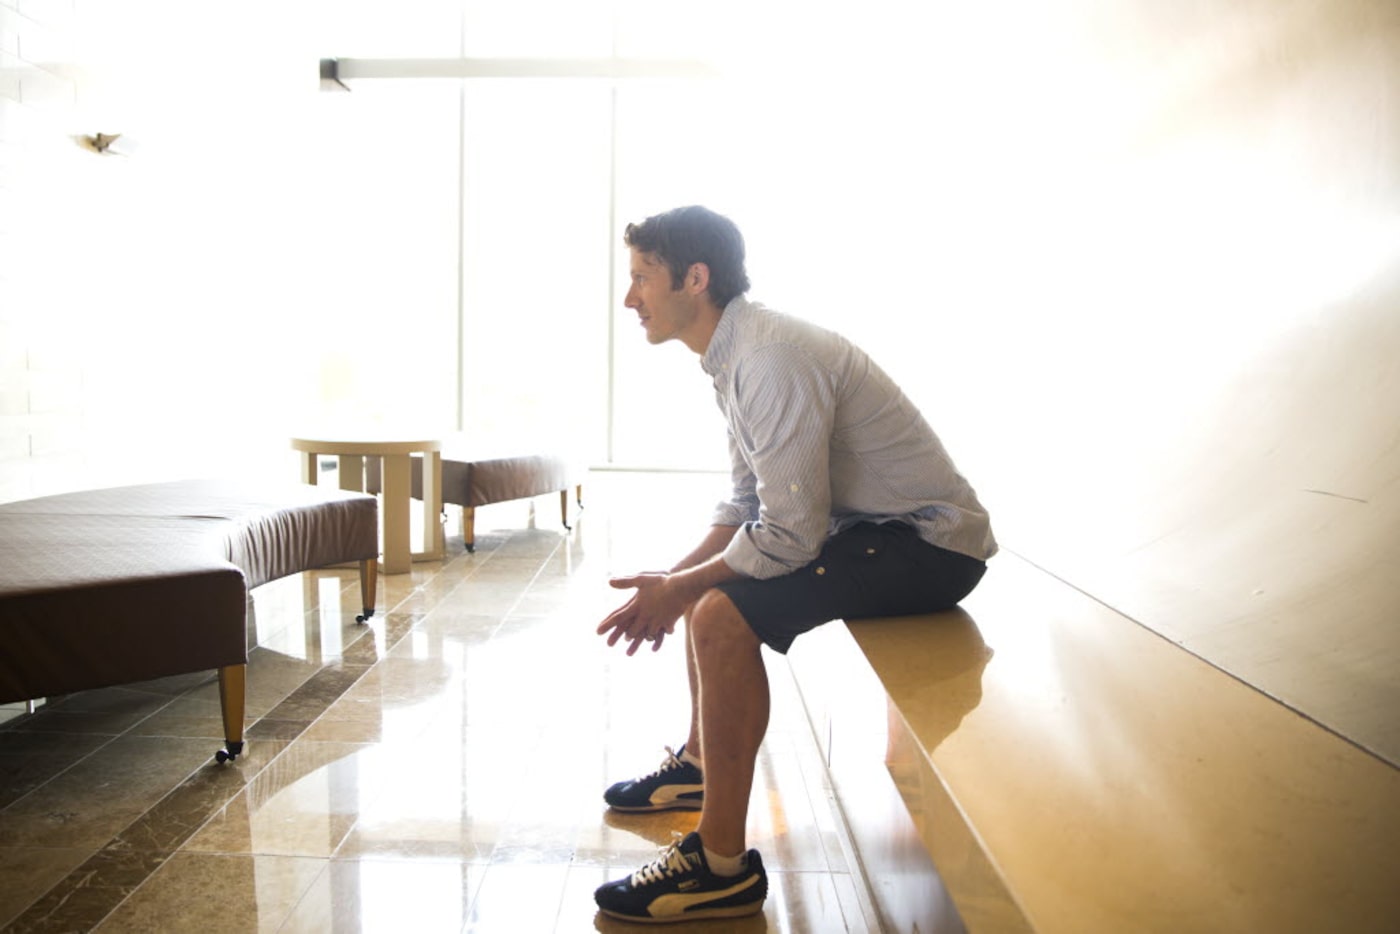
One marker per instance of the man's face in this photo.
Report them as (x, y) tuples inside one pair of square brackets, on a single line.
[(663, 311)]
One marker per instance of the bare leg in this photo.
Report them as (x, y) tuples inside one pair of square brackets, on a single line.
[(692, 739), (734, 704)]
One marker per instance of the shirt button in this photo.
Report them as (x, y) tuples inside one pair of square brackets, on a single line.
[(870, 551), (793, 488)]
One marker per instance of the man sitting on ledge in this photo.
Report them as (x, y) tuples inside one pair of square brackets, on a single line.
[(845, 505)]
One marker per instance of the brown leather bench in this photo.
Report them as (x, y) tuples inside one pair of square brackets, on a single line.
[(104, 587), (470, 481)]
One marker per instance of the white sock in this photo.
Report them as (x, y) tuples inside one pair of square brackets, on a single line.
[(693, 760), (726, 865)]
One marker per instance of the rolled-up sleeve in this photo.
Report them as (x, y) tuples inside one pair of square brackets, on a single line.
[(781, 411), (742, 505)]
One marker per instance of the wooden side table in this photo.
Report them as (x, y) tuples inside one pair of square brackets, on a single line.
[(394, 454)]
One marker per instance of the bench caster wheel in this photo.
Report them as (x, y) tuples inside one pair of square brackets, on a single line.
[(232, 752)]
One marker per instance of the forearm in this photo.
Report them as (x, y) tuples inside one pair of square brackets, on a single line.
[(704, 567), (691, 583), (715, 542)]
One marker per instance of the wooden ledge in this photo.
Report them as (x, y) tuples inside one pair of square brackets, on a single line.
[(1070, 771)]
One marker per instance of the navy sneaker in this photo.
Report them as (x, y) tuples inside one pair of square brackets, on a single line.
[(680, 887), (676, 785)]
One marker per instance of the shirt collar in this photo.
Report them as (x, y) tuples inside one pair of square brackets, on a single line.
[(722, 341)]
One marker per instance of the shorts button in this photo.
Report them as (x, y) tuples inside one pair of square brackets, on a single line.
[(821, 570), (870, 551)]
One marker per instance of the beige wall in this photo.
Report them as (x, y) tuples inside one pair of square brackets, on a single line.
[(152, 304), (1175, 253), (1145, 278)]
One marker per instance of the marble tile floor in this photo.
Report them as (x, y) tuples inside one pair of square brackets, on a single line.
[(437, 770)]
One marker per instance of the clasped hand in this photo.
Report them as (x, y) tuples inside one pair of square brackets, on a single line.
[(650, 614)]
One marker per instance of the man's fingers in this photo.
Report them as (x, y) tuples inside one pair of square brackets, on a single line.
[(626, 622), (619, 618), (610, 623)]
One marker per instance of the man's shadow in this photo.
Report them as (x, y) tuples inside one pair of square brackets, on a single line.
[(930, 666), (656, 827)]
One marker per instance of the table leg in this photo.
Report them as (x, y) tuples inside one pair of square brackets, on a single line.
[(394, 506), (309, 472), (352, 472), (432, 505)]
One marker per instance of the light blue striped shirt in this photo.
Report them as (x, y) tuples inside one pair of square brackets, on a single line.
[(820, 438)]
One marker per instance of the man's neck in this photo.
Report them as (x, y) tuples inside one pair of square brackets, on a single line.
[(706, 322)]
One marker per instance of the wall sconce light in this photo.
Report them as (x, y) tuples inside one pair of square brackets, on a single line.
[(106, 144)]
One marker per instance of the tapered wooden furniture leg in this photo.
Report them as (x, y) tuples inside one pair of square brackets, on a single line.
[(564, 507), (469, 527), (233, 687), (432, 506), (395, 473), (369, 582)]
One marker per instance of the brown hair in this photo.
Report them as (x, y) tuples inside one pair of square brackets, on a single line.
[(684, 236)]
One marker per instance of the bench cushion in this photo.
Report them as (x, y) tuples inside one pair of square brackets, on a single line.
[(469, 482), (105, 587), (502, 479)]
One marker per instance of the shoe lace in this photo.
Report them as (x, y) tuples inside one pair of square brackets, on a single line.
[(671, 862), (669, 764)]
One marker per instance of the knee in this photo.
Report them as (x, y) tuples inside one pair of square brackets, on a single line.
[(715, 622)]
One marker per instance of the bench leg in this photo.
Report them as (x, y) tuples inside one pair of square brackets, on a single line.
[(469, 516), (233, 686), (369, 580), (564, 503)]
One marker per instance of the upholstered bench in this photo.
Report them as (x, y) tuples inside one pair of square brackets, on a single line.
[(470, 481), (104, 587)]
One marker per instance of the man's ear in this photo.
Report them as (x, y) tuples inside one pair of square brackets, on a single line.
[(697, 278)]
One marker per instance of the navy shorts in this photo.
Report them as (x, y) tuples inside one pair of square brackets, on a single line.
[(870, 569)]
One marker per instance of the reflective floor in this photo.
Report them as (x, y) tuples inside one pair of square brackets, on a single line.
[(437, 770)]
